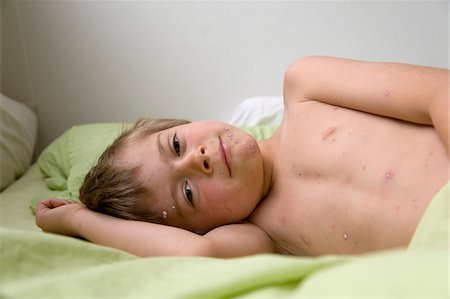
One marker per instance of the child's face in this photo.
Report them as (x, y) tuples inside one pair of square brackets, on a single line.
[(203, 174)]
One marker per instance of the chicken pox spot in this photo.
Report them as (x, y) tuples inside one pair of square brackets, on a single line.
[(387, 93), (306, 240), (328, 133), (164, 214), (389, 176)]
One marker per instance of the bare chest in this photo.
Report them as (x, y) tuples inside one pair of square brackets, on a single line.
[(349, 182)]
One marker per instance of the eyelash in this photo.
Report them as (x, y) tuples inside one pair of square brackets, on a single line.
[(188, 192), (176, 144)]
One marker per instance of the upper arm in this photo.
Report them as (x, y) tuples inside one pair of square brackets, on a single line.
[(238, 240), (408, 92), (150, 239)]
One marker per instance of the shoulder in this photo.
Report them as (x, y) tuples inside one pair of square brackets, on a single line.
[(238, 240)]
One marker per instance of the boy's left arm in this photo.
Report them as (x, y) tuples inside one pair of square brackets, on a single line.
[(412, 93)]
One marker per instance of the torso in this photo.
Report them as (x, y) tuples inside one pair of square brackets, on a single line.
[(351, 182)]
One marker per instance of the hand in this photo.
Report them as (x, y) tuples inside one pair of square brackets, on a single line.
[(56, 216)]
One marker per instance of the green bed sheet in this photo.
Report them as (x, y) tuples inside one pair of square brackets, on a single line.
[(38, 265)]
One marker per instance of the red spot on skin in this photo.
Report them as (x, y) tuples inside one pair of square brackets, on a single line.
[(387, 93), (283, 220), (389, 176), (328, 133), (306, 240), (364, 167)]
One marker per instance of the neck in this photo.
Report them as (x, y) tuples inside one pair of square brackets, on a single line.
[(268, 154)]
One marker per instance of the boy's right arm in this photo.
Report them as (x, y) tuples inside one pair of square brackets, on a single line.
[(149, 239)]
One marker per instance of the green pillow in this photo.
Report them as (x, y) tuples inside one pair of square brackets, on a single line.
[(67, 160)]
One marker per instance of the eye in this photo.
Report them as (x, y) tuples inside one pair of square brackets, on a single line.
[(188, 193), (176, 144)]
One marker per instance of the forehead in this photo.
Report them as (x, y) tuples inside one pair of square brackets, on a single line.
[(153, 171)]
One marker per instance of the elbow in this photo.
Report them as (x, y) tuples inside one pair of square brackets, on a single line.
[(295, 79)]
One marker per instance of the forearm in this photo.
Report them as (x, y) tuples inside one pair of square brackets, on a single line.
[(139, 238)]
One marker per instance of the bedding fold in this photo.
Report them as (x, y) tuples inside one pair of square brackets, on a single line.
[(36, 265)]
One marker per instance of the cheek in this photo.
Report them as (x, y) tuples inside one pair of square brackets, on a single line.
[(221, 197), (243, 147)]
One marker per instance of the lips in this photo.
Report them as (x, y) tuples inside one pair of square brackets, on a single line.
[(225, 155)]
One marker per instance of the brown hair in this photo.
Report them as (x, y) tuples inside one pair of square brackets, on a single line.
[(111, 188)]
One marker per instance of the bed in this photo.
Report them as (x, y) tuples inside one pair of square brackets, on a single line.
[(39, 265)]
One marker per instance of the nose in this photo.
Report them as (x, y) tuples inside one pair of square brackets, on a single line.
[(197, 160)]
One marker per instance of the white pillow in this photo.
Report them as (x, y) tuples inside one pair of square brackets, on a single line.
[(257, 111), (18, 130)]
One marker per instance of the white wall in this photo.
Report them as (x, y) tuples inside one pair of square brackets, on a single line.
[(92, 61)]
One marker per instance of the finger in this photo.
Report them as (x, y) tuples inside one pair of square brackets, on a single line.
[(42, 207), (52, 203)]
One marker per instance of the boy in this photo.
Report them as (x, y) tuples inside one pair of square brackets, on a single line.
[(361, 150)]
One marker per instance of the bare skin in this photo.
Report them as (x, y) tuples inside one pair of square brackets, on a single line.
[(361, 151), (355, 183)]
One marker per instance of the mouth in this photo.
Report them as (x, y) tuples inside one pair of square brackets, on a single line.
[(225, 155)]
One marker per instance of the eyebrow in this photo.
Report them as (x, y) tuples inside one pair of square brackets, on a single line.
[(173, 192), (175, 207), (159, 144)]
